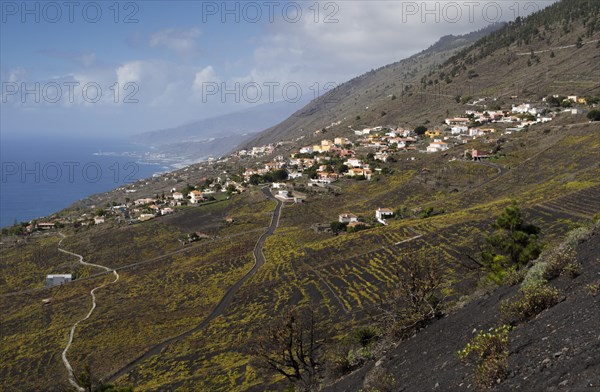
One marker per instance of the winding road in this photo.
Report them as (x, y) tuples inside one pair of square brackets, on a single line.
[(65, 360), (219, 309)]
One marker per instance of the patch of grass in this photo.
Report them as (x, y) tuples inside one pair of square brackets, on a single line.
[(592, 289), (578, 185)]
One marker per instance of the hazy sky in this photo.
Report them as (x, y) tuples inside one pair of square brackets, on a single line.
[(118, 68)]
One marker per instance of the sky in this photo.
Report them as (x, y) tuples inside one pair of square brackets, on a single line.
[(107, 68)]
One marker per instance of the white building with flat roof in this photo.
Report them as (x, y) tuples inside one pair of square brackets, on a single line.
[(57, 280)]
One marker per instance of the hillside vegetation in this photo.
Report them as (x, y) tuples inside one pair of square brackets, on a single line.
[(429, 86), (387, 307)]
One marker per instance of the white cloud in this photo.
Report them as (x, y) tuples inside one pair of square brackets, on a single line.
[(17, 74), (130, 72), (206, 75), (367, 34), (183, 42)]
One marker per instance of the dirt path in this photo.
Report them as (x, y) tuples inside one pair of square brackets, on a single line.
[(65, 360), (189, 248), (220, 308), (557, 48)]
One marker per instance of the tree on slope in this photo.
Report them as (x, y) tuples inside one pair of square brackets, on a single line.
[(293, 347), (512, 244)]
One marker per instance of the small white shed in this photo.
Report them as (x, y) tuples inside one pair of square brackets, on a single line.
[(56, 280)]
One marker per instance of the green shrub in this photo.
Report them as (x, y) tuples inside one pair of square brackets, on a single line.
[(531, 302), (488, 352), (592, 289), (365, 336), (339, 363), (573, 269), (514, 276), (557, 261), (429, 212), (344, 360), (535, 275)]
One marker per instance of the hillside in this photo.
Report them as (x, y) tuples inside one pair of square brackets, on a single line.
[(430, 85), (559, 349), (349, 99), (158, 296), (206, 291)]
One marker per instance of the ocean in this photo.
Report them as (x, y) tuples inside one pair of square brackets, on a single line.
[(40, 176)]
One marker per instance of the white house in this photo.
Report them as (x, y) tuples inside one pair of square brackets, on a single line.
[(294, 174), (195, 197), (353, 162), (348, 218), (284, 195), (457, 121), (525, 108), (56, 280), (366, 131), (458, 129), (140, 202), (383, 213), (177, 196), (166, 211), (98, 220), (381, 156), (437, 146), (258, 150)]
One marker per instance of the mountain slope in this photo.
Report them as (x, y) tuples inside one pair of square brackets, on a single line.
[(166, 289), (349, 99), (558, 349), (428, 87)]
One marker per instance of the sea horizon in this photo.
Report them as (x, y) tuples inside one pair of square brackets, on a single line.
[(44, 175)]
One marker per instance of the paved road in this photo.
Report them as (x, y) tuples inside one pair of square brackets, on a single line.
[(225, 301)]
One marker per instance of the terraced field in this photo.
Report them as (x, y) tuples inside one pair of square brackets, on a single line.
[(582, 204), (166, 289), (154, 299)]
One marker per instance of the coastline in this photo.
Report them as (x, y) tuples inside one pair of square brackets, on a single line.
[(45, 176)]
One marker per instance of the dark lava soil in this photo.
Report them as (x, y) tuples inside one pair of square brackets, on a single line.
[(559, 350)]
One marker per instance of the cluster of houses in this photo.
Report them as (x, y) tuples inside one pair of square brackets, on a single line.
[(353, 221), (257, 151), (357, 158), (381, 214), (476, 123), (383, 142)]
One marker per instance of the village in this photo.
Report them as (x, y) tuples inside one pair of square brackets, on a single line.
[(360, 155)]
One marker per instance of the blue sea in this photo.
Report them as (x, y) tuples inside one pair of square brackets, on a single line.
[(40, 176)]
